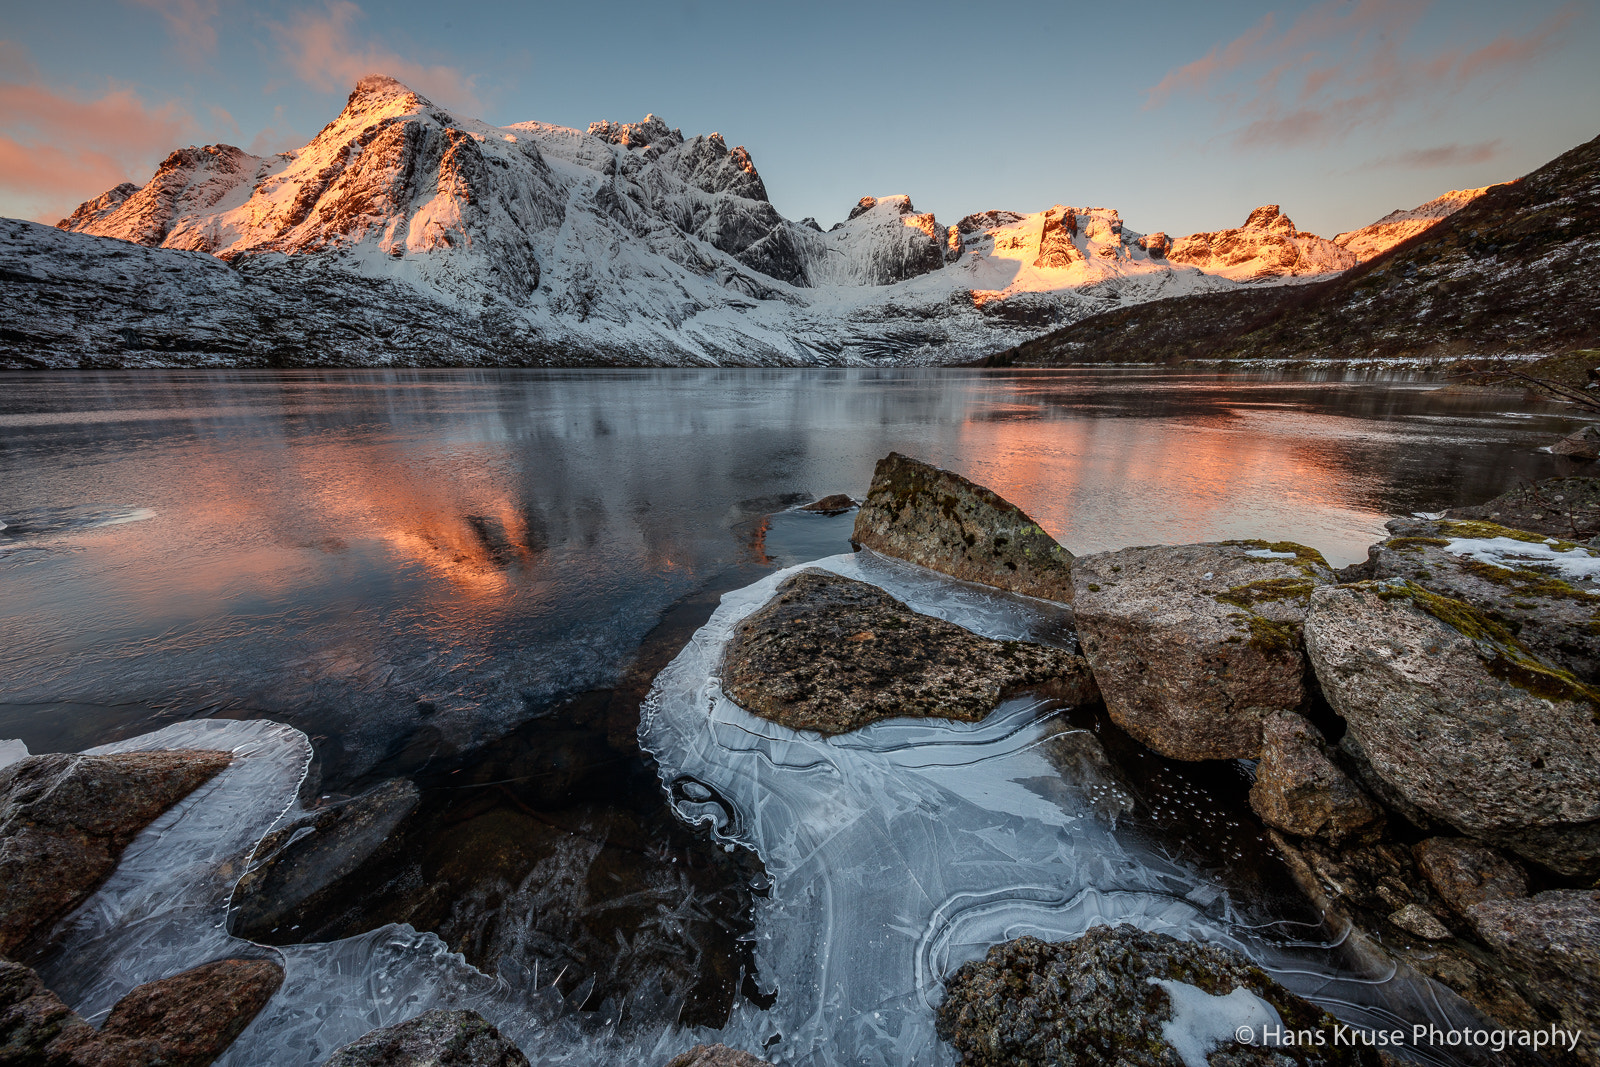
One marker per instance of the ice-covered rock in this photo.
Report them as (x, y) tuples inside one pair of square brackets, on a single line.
[(940, 520), (1193, 646), (717, 1055), (65, 819), (1458, 717)]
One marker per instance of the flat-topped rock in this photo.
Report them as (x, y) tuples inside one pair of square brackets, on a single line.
[(1126, 997), (1461, 720), (940, 520), (1540, 587), (64, 821), (1194, 645), (832, 654)]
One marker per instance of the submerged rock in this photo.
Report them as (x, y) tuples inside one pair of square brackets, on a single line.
[(437, 1038), (832, 654), (1126, 997), (1300, 790), (1529, 585), (1556, 507), (1462, 720), (64, 821), (1194, 645), (837, 504), (718, 1055), (1555, 938), (1465, 873), (298, 860), (940, 520)]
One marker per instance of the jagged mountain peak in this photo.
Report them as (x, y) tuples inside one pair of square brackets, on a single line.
[(1269, 217), (653, 130), (378, 88)]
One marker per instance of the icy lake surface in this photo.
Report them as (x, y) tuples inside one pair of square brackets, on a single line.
[(351, 576)]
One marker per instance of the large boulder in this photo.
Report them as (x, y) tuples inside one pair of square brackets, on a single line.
[(941, 521), (1555, 507), (832, 654), (1126, 997), (437, 1038), (1538, 587), (1300, 790), (301, 858), (1583, 443), (1461, 720), (1194, 645), (1554, 937), (64, 821)]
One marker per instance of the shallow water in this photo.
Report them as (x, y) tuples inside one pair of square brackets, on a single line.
[(441, 574)]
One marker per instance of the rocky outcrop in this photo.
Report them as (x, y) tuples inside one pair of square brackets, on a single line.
[(1194, 645), (1056, 248), (1300, 790), (1123, 996), (437, 1038), (1535, 589), (1464, 873), (834, 504), (716, 1056), (940, 520), (1554, 937), (1579, 444), (187, 1020), (298, 860), (1567, 508), (64, 821), (1267, 245), (1460, 719), (1157, 244), (832, 654)]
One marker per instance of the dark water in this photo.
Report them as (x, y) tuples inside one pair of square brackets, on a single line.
[(469, 577)]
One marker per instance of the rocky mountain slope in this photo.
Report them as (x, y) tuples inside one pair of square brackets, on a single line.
[(1397, 226), (1513, 271), (403, 233)]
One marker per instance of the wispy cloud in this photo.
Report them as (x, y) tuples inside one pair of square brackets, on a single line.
[(1341, 66), (1445, 155), (57, 150), (191, 22), (324, 50)]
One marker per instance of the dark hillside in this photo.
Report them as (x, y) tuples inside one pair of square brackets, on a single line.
[(1517, 270)]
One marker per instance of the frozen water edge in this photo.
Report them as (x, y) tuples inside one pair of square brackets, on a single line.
[(903, 849), (896, 853)]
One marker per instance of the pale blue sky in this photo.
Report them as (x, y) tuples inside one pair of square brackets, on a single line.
[(1181, 115)]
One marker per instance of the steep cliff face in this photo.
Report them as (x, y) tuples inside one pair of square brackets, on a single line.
[(1397, 226), (624, 241), (1268, 245)]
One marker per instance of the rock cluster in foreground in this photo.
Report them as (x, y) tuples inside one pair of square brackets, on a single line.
[(1125, 997), (832, 654)]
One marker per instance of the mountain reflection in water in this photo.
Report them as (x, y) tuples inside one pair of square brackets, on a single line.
[(437, 574)]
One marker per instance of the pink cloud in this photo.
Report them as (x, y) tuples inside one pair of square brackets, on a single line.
[(190, 22), (1339, 67), (1447, 155), (324, 52)]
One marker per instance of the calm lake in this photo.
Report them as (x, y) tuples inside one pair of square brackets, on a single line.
[(469, 577)]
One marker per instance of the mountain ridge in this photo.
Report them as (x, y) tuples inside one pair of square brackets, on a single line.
[(624, 243)]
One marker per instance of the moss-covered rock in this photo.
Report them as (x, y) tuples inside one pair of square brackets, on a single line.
[(1194, 645), (1461, 720), (1108, 998), (939, 520)]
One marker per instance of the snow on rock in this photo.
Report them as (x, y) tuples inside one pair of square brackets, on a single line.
[(1267, 245), (1397, 226), (625, 242)]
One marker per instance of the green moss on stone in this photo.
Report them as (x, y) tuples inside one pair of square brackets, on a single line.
[(1528, 583), (1266, 636), (1476, 529), (1416, 542), (1268, 591)]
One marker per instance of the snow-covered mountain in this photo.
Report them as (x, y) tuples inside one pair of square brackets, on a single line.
[(1397, 226), (625, 243)]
